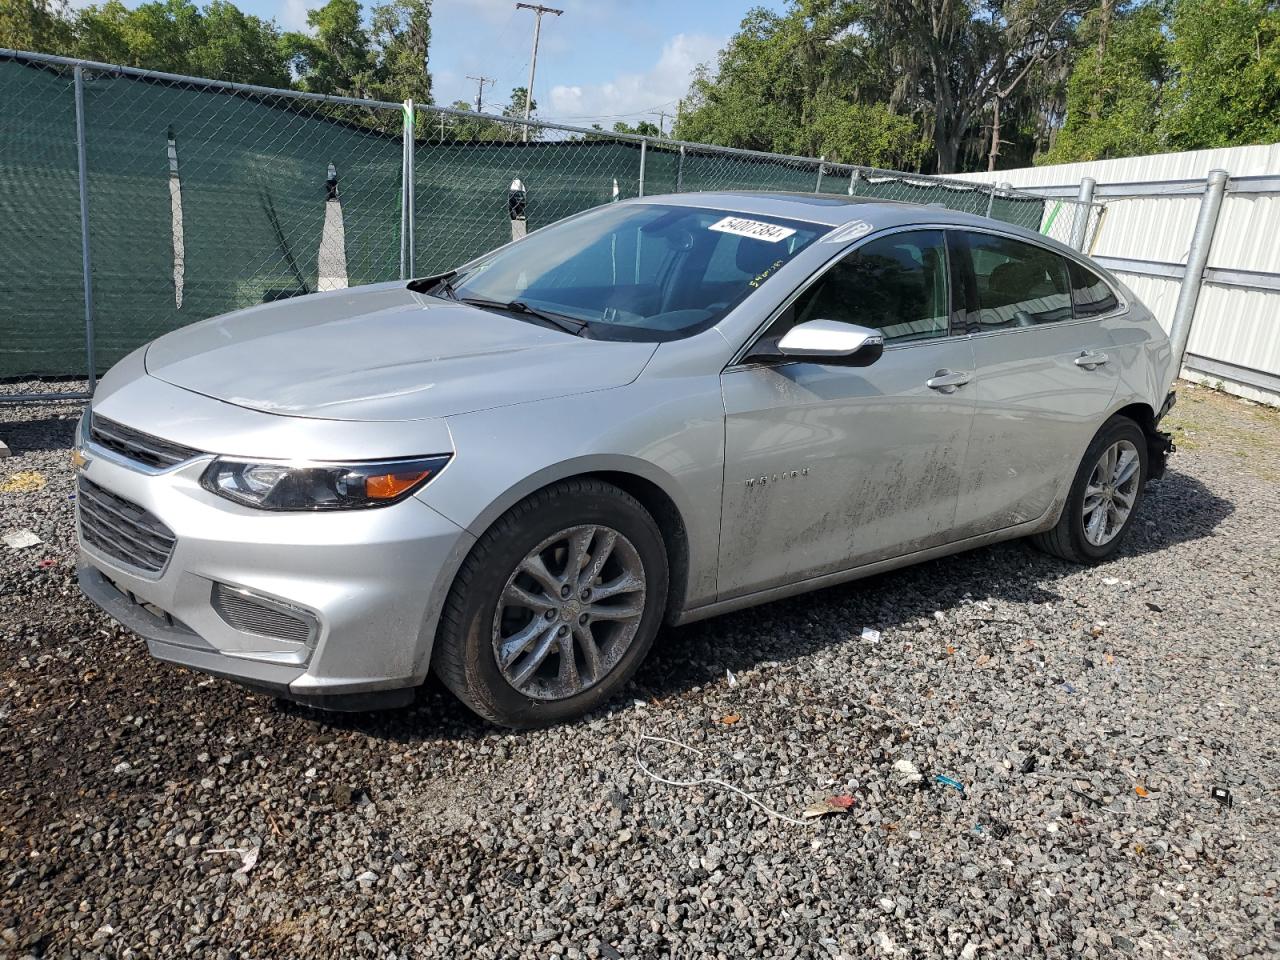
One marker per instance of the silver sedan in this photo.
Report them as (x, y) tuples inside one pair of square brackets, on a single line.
[(653, 412)]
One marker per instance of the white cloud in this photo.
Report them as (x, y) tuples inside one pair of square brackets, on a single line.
[(630, 95), (293, 14)]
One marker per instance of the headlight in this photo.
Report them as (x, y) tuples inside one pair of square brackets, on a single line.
[(319, 486)]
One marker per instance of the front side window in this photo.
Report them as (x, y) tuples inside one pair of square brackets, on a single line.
[(1089, 292), (638, 271), (896, 284), (1018, 284)]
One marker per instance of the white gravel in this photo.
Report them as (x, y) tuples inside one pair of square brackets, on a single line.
[(1086, 715)]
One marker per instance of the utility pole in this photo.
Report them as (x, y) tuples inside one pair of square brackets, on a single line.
[(662, 121), (538, 10), (480, 82)]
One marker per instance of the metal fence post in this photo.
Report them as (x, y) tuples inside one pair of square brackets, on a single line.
[(1080, 225), (991, 198), (1197, 259), (680, 171), (643, 145), (82, 165), (821, 163), (405, 141), (411, 128), (853, 180)]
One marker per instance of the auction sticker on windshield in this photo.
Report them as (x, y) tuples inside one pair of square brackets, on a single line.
[(755, 229)]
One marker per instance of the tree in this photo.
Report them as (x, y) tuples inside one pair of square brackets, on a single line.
[(37, 25), (477, 128), (515, 110), (401, 30), (1116, 94), (644, 128), (762, 92), (916, 71), (337, 59), (176, 36), (974, 56), (1225, 88), (240, 47), (1185, 75), (515, 105), (868, 134)]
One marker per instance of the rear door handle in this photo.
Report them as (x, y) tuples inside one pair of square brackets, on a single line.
[(948, 381), (1090, 359)]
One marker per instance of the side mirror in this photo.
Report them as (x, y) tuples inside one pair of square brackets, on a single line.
[(829, 341)]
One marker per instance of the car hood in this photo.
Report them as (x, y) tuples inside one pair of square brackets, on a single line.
[(384, 353)]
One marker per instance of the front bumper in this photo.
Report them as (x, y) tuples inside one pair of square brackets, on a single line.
[(369, 582)]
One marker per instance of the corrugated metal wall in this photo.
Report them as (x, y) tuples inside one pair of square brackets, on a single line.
[(1235, 337)]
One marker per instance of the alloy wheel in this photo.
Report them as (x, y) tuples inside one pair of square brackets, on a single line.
[(1111, 492), (569, 612)]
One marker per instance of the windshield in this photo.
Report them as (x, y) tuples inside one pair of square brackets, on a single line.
[(636, 271)]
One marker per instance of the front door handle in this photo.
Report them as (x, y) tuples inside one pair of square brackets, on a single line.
[(948, 381), (1090, 359)]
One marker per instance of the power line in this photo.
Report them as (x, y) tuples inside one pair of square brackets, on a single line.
[(651, 111), (538, 10)]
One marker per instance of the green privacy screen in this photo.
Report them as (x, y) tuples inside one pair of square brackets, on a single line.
[(201, 201), (41, 295), (204, 200)]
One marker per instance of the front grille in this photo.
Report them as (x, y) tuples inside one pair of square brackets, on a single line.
[(138, 446), (255, 615), (123, 530)]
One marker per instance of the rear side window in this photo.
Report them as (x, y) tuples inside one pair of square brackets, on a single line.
[(896, 284), (1018, 284), (1089, 292)]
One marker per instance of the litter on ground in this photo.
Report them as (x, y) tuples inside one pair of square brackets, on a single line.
[(24, 481), (836, 804), (907, 773), (20, 539)]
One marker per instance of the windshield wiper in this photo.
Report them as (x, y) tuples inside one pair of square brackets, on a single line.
[(435, 283), (558, 320)]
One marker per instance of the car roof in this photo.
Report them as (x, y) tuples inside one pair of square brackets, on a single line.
[(835, 210)]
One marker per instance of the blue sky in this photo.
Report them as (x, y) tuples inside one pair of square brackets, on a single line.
[(603, 60)]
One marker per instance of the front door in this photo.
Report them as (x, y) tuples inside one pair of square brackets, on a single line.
[(829, 467)]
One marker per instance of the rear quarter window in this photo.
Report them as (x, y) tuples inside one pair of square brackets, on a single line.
[(1090, 294)]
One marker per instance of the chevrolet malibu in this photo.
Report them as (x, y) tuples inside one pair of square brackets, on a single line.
[(653, 412)]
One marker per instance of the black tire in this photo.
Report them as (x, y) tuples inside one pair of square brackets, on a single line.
[(1067, 538), (464, 657)]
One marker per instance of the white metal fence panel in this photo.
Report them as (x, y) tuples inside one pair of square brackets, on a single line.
[(1147, 228), (1145, 236), (1158, 168), (1160, 294), (1248, 234), (1237, 326)]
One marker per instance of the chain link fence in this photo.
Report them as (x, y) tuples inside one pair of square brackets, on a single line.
[(137, 202)]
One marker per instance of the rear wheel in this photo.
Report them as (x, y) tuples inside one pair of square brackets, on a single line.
[(1104, 496), (555, 607)]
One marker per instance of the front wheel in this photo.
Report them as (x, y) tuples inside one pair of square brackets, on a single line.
[(1104, 496), (555, 607)]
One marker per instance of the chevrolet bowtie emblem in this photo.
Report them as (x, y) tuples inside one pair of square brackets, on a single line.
[(78, 459)]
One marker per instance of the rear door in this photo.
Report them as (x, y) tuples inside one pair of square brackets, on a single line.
[(829, 467), (1045, 376)]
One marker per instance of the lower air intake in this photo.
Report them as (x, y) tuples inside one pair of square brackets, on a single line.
[(267, 618)]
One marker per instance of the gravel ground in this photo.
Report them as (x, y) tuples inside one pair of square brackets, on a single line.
[(1137, 687)]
